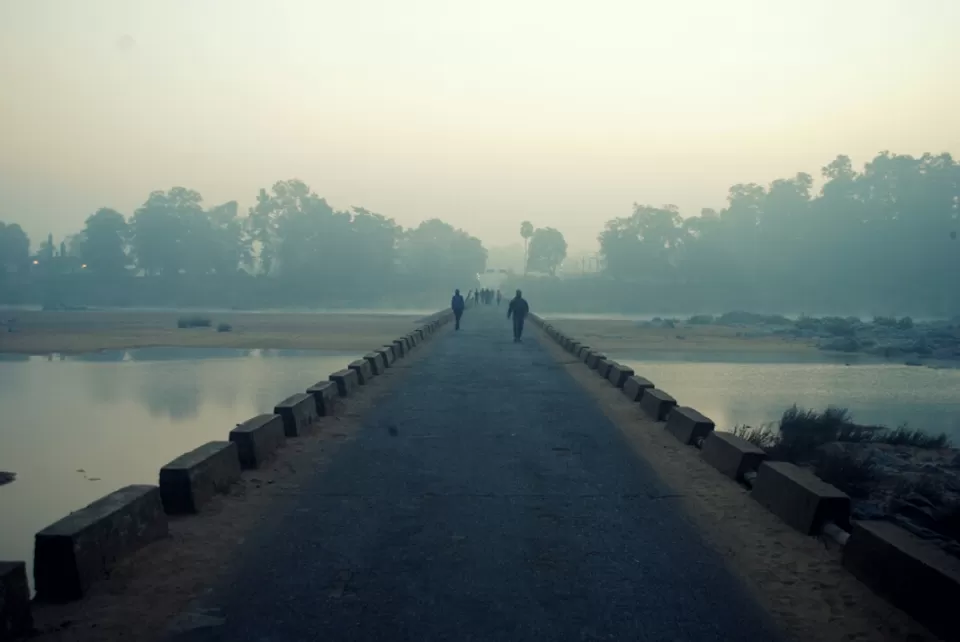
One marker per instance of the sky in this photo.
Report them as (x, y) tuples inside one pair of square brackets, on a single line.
[(483, 114)]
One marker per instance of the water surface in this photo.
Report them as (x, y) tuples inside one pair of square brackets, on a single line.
[(757, 393), (76, 428)]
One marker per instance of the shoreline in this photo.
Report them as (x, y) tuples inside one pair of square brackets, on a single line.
[(73, 333)]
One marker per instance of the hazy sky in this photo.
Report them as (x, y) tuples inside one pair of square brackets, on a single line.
[(481, 113)]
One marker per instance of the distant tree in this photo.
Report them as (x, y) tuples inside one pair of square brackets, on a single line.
[(526, 232), (439, 255), (215, 241), (47, 250), (644, 244), (102, 245), (160, 230), (547, 250), (14, 248)]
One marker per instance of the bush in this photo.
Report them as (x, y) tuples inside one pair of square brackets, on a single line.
[(762, 437), (885, 322), (838, 327), (807, 323), (194, 322), (906, 323), (224, 327), (700, 319), (846, 472), (903, 436), (739, 317)]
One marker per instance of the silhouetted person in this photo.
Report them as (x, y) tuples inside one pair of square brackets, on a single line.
[(518, 309), (476, 296), (457, 305), (498, 298)]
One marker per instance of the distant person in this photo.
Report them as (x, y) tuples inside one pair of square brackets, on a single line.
[(518, 309), (457, 305), (476, 296), (498, 298)]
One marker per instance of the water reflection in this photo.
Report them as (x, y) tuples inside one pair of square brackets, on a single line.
[(119, 416), (756, 393)]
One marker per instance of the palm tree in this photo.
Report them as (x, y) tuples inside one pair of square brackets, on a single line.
[(526, 231)]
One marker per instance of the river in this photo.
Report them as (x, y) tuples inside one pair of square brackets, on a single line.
[(76, 428), (758, 393)]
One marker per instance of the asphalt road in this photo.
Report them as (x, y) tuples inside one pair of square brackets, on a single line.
[(486, 498)]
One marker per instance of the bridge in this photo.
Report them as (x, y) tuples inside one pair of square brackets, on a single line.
[(484, 498), (476, 489)]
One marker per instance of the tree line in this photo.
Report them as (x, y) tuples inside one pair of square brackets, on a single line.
[(291, 234), (882, 238)]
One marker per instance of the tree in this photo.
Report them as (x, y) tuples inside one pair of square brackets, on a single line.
[(644, 244), (438, 255), (526, 231), (102, 245), (159, 230), (47, 250), (547, 251), (14, 248)]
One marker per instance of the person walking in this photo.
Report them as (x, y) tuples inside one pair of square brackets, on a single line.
[(457, 305), (518, 309), (498, 298)]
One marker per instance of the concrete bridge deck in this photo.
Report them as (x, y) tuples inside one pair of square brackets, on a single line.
[(486, 497)]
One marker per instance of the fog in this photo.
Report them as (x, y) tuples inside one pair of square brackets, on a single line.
[(366, 124)]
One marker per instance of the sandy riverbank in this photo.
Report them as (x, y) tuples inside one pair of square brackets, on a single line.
[(71, 332), (717, 342)]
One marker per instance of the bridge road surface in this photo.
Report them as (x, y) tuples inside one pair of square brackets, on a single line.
[(486, 497)]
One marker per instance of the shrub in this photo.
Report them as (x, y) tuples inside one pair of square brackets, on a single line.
[(846, 472), (739, 317), (838, 327), (885, 322), (906, 323), (224, 327), (700, 319), (194, 322), (762, 437), (903, 436), (802, 432), (807, 323)]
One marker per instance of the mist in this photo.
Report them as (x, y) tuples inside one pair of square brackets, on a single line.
[(678, 153)]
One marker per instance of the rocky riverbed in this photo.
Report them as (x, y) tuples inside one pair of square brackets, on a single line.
[(902, 340), (917, 488)]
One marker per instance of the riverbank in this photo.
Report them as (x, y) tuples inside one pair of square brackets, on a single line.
[(78, 332), (748, 337), (709, 342)]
